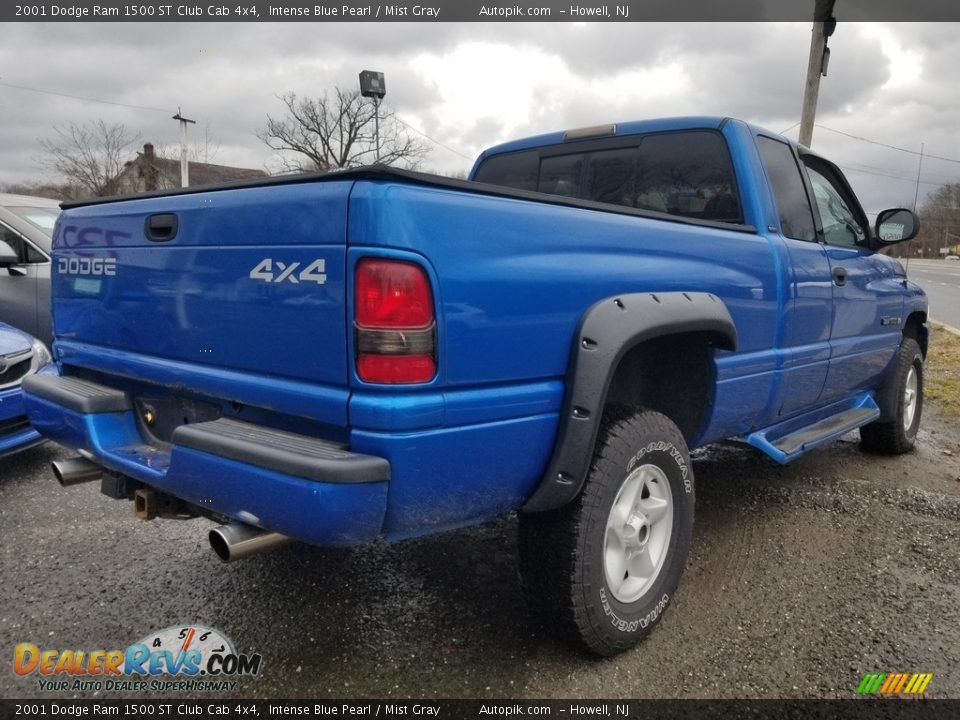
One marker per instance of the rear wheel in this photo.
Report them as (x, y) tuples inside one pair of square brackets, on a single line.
[(602, 569), (900, 398)]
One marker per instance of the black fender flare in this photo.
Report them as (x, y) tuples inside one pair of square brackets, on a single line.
[(608, 330)]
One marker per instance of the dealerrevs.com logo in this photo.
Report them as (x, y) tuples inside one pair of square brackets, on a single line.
[(200, 658)]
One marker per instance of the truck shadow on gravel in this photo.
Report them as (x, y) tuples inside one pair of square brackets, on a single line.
[(792, 579), (792, 572)]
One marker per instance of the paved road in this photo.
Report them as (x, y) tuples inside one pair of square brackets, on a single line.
[(801, 579), (940, 279)]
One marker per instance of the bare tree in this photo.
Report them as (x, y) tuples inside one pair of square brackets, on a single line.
[(40, 188), (939, 221), (337, 131), (89, 156)]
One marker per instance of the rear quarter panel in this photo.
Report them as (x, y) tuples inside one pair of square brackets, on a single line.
[(515, 277), (512, 280)]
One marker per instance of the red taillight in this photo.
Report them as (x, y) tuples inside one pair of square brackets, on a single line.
[(392, 294), (395, 338)]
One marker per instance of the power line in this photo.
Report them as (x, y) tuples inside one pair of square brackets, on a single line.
[(912, 180), (84, 99), (782, 132), (884, 172), (894, 172), (435, 142), (877, 142), (891, 147)]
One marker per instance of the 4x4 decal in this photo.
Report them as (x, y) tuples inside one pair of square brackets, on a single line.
[(314, 272)]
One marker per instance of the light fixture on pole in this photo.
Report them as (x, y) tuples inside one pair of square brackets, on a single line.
[(372, 85)]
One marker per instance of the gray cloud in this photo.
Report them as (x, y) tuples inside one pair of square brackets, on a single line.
[(228, 77)]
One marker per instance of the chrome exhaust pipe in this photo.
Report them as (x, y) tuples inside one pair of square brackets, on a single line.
[(235, 541), (75, 470)]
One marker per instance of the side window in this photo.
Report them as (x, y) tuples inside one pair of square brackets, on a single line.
[(688, 174), (793, 207), (840, 223), (517, 170), (34, 255), (25, 251)]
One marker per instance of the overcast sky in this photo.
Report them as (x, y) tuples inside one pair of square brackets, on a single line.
[(470, 85)]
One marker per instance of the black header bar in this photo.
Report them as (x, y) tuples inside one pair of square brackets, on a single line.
[(210, 708), (478, 11)]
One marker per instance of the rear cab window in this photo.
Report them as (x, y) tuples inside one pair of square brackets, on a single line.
[(688, 173), (518, 170), (560, 175)]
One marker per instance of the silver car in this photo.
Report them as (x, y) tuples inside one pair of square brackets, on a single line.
[(26, 226)]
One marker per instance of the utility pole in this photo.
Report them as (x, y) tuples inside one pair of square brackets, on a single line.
[(376, 125), (184, 164), (823, 26)]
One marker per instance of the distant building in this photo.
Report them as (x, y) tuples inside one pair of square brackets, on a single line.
[(150, 172)]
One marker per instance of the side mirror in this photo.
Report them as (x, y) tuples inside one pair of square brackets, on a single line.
[(8, 256), (897, 225)]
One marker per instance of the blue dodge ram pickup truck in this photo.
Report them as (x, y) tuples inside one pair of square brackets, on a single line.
[(383, 354)]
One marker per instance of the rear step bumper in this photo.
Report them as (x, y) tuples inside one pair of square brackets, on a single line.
[(308, 489), (282, 452)]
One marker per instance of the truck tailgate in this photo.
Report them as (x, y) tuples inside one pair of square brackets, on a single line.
[(249, 280)]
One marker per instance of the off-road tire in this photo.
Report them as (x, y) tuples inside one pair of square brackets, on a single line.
[(890, 434), (562, 552)]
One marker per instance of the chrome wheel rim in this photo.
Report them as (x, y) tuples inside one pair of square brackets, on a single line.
[(637, 536), (910, 393)]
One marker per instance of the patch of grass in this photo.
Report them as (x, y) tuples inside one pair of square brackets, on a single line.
[(942, 381)]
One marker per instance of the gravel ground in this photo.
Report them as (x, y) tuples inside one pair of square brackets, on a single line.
[(800, 580)]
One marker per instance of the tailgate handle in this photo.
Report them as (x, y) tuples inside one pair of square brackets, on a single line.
[(162, 227)]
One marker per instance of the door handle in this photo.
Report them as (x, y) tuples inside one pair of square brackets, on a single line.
[(839, 276), (161, 227)]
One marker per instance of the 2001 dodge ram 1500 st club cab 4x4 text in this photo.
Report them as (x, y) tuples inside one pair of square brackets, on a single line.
[(377, 353)]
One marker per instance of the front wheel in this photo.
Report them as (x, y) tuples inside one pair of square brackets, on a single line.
[(602, 569), (900, 398)]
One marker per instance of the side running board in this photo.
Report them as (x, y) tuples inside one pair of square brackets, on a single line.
[(790, 439)]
